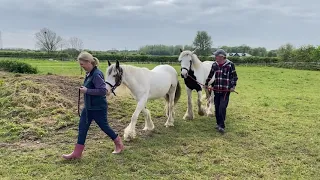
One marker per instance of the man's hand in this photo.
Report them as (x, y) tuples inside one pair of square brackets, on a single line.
[(232, 90), (83, 89)]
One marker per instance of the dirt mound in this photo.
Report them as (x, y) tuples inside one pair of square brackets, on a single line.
[(36, 106), (31, 106)]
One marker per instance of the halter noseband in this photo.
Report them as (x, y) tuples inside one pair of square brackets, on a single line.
[(117, 83), (187, 68)]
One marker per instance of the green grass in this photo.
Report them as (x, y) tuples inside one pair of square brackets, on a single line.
[(67, 68), (272, 133)]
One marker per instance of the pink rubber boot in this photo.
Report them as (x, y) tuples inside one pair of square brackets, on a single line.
[(119, 146), (76, 154)]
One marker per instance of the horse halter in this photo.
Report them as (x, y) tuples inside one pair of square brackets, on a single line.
[(187, 68), (118, 80)]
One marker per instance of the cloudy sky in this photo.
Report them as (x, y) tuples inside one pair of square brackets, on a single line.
[(130, 24)]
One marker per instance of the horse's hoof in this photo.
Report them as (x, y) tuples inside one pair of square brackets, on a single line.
[(129, 137), (201, 113), (168, 125), (125, 138), (188, 117), (147, 129)]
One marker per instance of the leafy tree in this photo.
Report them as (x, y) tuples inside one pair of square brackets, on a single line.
[(203, 42), (285, 52)]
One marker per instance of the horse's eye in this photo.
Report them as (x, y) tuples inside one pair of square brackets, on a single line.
[(114, 75)]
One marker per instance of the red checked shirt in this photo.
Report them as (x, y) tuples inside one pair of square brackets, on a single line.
[(226, 76)]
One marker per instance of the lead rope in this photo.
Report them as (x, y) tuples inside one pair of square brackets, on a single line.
[(212, 89)]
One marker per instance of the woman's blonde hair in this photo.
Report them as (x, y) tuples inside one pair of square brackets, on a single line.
[(85, 56)]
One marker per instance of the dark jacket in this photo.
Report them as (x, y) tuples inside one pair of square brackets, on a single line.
[(95, 100)]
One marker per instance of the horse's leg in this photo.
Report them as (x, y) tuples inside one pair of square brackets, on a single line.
[(170, 119), (167, 109), (148, 122), (201, 110), (189, 113), (210, 103), (130, 130)]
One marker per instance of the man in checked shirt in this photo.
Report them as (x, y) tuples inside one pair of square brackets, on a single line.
[(225, 82)]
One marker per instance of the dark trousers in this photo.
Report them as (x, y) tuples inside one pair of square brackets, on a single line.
[(221, 101), (100, 117)]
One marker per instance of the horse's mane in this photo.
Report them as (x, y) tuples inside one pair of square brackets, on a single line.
[(131, 69), (128, 68), (196, 60)]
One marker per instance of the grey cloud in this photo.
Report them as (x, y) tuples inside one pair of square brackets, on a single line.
[(253, 22)]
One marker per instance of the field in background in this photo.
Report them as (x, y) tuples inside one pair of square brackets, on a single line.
[(71, 68), (272, 132)]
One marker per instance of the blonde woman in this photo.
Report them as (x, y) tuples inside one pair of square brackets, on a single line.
[(94, 90)]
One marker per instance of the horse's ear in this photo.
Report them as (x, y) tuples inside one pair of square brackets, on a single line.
[(117, 64), (180, 50), (195, 49), (109, 63)]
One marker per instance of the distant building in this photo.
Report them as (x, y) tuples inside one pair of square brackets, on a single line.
[(238, 54)]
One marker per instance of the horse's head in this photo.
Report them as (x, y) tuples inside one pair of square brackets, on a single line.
[(186, 59), (113, 76)]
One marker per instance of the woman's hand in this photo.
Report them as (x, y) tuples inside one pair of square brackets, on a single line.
[(83, 89), (108, 93)]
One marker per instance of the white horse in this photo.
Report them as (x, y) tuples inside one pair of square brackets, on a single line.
[(193, 71), (144, 84)]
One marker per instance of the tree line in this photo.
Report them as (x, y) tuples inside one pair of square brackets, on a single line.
[(47, 40), (50, 44)]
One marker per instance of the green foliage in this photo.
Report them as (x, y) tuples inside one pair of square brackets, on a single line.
[(203, 42), (259, 51), (309, 53), (34, 54), (254, 59), (17, 67), (285, 52), (163, 50)]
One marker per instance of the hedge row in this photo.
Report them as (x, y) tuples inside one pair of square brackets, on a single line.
[(132, 58), (146, 58), (17, 67), (298, 65), (33, 55)]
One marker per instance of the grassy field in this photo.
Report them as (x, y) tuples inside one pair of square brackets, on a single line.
[(272, 130)]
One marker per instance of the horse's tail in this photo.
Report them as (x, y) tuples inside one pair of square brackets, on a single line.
[(177, 93)]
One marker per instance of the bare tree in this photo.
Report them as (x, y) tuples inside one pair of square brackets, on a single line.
[(48, 40), (76, 43), (64, 44)]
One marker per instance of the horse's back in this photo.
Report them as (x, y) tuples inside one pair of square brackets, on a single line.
[(165, 68), (161, 79)]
